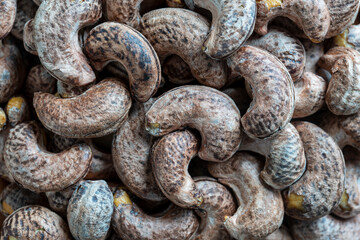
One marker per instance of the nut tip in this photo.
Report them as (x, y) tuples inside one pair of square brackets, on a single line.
[(153, 128), (295, 201), (121, 197), (344, 204)]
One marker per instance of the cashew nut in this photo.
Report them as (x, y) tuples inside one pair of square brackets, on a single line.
[(69, 91), (125, 11), (25, 11), (177, 70), (349, 38), (314, 52), (39, 80), (28, 37), (7, 16), (3, 119), (59, 201), (4, 171), (17, 110), (175, 3)]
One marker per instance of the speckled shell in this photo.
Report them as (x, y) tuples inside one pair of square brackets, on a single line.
[(59, 201), (69, 91), (321, 186), (208, 110), (90, 209), (64, 58), (39, 80), (177, 70), (28, 37), (312, 17), (217, 205), (288, 49), (281, 234), (353, 36), (4, 171), (240, 97), (15, 197), (97, 112), (309, 95), (7, 16), (170, 157), (59, 143), (125, 11), (343, 94), (39, 170), (25, 11), (129, 47), (130, 222), (17, 115), (285, 157), (314, 51), (261, 209), (182, 32), (35, 222), (131, 150), (273, 91), (326, 228)]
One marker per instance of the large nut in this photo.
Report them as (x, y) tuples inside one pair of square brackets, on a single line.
[(7, 16)]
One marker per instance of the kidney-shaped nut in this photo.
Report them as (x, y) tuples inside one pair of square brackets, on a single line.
[(285, 157), (90, 209), (7, 16), (130, 222), (182, 32), (261, 209), (39, 170), (125, 11), (320, 189), (97, 112), (343, 94), (39, 80), (62, 20), (272, 90), (177, 70), (25, 11), (17, 110), (211, 112), (232, 23), (117, 42)]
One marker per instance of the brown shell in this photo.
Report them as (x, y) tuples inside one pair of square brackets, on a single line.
[(177, 70), (39, 80), (182, 32), (39, 170), (4, 171), (319, 190), (7, 16), (29, 38), (117, 42), (170, 157), (208, 110), (69, 91), (35, 222), (261, 209), (285, 157), (124, 11), (314, 51), (343, 94), (97, 112), (64, 58), (25, 11), (131, 150), (283, 45), (273, 91), (312, 17), (59, 201)]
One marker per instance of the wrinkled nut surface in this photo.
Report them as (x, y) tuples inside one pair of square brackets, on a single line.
[(97, 112), (130, 222), (208, 110), (117, 42), (285, 157), (59, 201), (25, 11), (7, 16), (69, 91), (170, 158), (125, 11), (320, 189), (261, 209), (4, 172), (35, 222), (272, 90), (39, 80), (90, 209), (165, 29), (39, 170), (62, 20), (177, 70), (314, 52)]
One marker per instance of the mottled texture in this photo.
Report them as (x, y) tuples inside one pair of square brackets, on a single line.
[(39, 80), (285, 157), (272, 90), (240, 97), (319, 190), (39, 170), (117, 42), (17, 110), (124, 11), (25, 11), (281, 234), (261, 209), (170, 158), (35, 222), (208, 110), (343, 94), (89, 211), (7, 16), (182, 32), (59, 201), (353, 37), (97, 112), (28, 37), (4, 172), (61, 20), (177, 70), (314, 52), (69, 91)]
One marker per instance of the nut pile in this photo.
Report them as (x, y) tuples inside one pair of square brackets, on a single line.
[(180, 119)]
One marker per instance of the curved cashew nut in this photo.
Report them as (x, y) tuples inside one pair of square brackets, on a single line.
[(7, 16), (35, 222), (97, 112), (208, 110), (261, 209), (17, 110), (177, 70), (90, 209), (132, 50), (285, 157), (41, 171), (273, 91), (320, 189), (130, 222), (64, 59), (170, 157), (232, 23), (25, 11), (165, 29), (28, 37), (312, 17), (59, 201), (343, 94), (39, 80), (125, 11)]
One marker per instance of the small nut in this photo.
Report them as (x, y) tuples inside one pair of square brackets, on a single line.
[(177, 70), (39, 80), (29, 37), (314, 51), (4, 171), (175, 3), (59, 201), (17, 110), (125, 11), (3, 119), (7, 16), (25, 11)]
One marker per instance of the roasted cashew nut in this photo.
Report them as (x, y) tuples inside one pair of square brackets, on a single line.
[(69, 91), (29, 38), (7, 16), (125, 11), (39, 80), (208, 110)]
